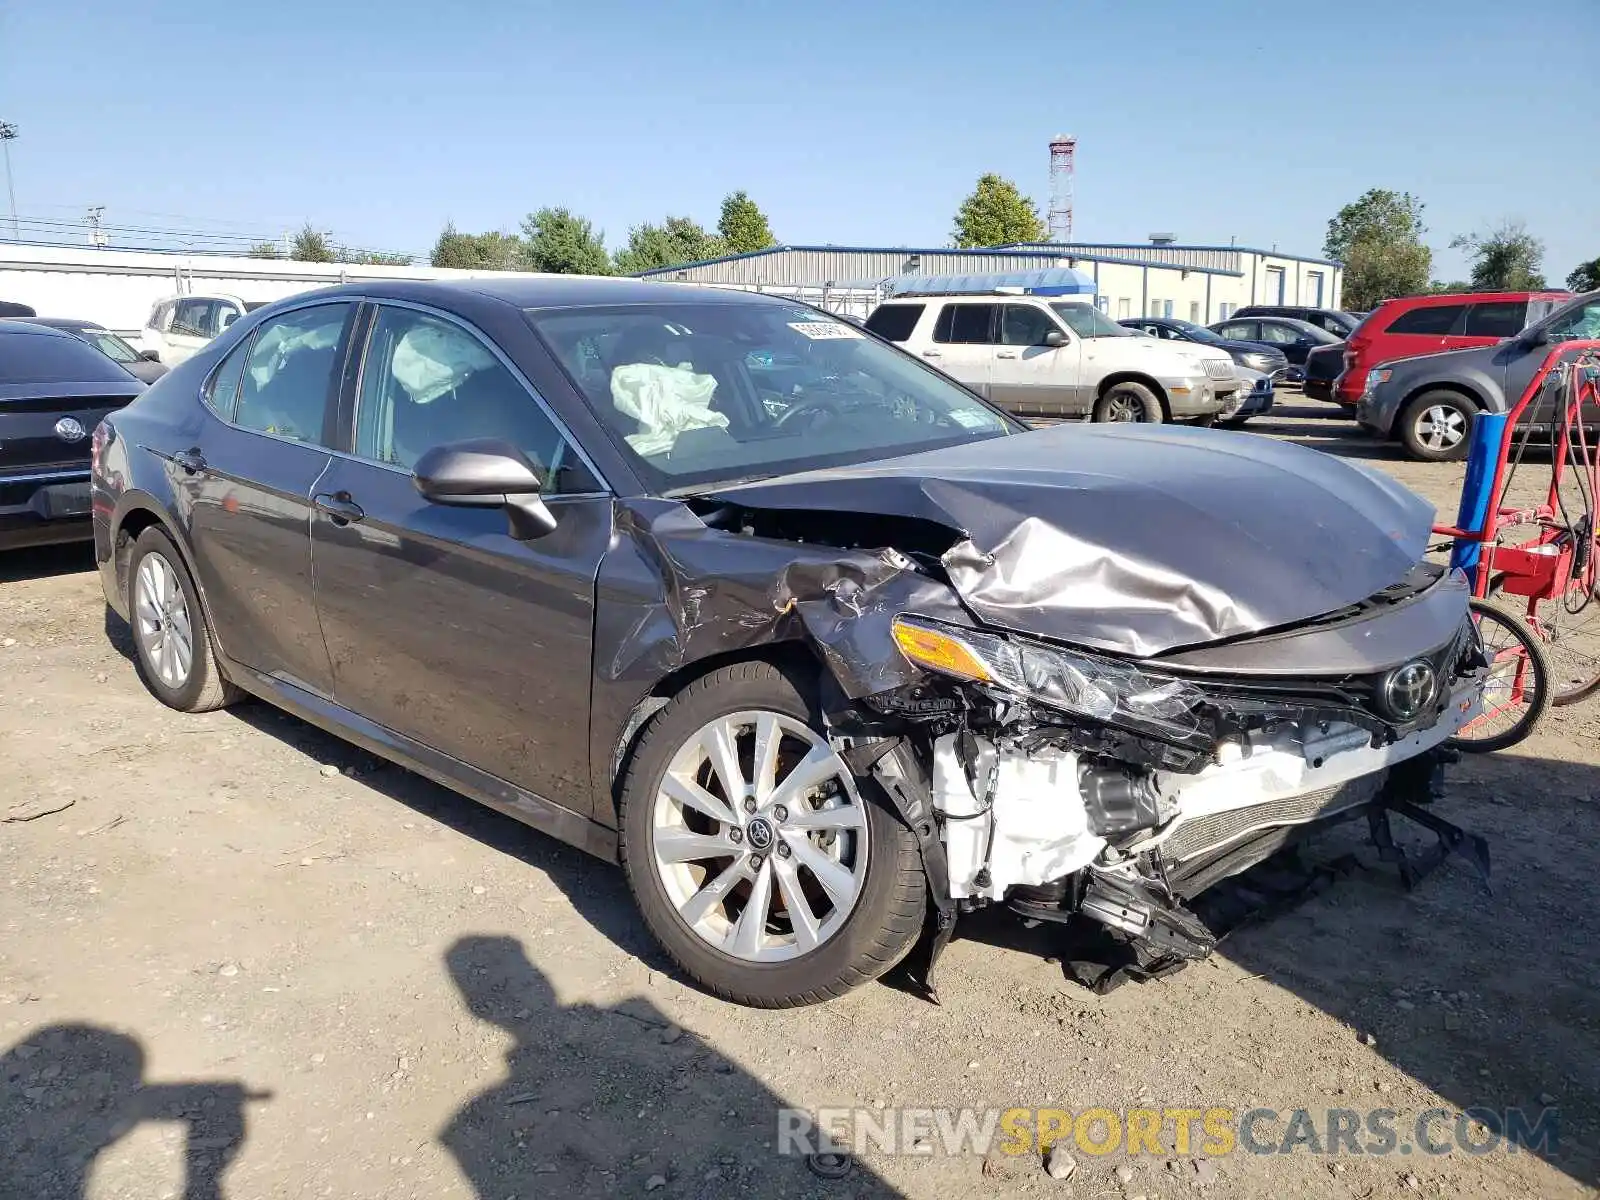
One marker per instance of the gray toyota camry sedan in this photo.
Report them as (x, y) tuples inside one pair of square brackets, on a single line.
[(823, 649)]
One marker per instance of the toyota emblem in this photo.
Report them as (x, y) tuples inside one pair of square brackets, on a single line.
[(1408, 689), (70, 429)]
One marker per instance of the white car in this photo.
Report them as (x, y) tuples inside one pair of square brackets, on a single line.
[(1049, 357), (179, 325)]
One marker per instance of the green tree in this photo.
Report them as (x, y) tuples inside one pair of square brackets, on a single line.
[(1506, 259), (561, 242), (1378, 238), (743, 225), (996, 213), (1585, 277), (265, 250), (491, 251), (676, 240), (311, 245)]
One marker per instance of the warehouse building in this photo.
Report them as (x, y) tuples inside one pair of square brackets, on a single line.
[(1160, 278)]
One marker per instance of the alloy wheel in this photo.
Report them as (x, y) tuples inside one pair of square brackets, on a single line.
[(1440, 427), (759, 837), (1124, 408), (161, 611)]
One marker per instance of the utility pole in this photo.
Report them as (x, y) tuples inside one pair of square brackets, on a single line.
[(97, 235), (8, 134)]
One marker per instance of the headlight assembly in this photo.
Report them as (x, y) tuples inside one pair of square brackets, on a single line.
[(1102, 689)]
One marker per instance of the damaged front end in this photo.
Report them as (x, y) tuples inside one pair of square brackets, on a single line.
[(1064, 783)]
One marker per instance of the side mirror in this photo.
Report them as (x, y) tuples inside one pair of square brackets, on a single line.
[(1537, 336), (486, 473), (229, 317), (149, 356), (1055, 338)]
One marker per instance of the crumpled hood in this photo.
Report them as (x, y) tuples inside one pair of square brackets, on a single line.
[(1137, 539)]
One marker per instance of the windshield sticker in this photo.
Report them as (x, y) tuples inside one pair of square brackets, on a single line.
[(821, 331)]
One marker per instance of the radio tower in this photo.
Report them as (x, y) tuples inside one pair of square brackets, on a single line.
[(1062, 148)]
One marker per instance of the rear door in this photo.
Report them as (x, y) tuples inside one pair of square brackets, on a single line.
[(245, 486), (1240, 331), (441, 626), (1425, 329), (1490, 321), (965, 337), (1029, 375)]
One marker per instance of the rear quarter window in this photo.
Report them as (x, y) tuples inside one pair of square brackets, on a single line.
[(895, 322), (54, 358)]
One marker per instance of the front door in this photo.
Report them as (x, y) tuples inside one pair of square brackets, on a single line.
[(1522, 362), (1031, 376), (440, 625), (963, 344), (246, 485)]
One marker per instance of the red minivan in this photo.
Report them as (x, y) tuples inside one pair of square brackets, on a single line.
[(1427, 324)]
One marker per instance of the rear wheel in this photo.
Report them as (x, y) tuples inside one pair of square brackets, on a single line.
[(1128, 401), (1516, 690), (1436, 425), (755, 860), (171, 642)]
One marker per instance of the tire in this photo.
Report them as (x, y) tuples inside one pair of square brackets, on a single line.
[(155, 616), (1436, 426), (1235, 422), (1521, 652), (1128, 401), (1570, 633), (852, 943), (1205, 422)]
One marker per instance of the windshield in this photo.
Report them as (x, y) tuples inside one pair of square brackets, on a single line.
[(1089, 322), (711, 393), (1198, 332), (110, 345)]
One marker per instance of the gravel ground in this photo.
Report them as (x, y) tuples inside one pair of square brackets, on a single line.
[(240, 958)]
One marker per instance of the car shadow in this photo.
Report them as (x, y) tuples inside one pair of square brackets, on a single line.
[(69, 1092), (599, 1101), (44, 562)]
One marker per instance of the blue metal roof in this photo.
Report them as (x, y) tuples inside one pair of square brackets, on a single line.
[(1041, 250), (1052, 281)]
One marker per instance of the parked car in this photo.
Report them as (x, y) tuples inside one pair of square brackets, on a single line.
[(1295, 338), (180, 325), (808, 662), (9, 309), (1322, 367), (1330, 320), (141, 364), (1257, 356), (1034, 356), (1416, 325), (53, 391), (1428, 403)]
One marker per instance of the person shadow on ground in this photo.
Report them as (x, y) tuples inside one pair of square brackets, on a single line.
[(68, 1092), (598, 1101)]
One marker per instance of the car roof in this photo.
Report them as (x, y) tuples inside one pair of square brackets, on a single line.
[(551, 291), (71, 324), (25, 325), (1475, 297)]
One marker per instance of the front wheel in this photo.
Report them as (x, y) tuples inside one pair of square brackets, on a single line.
[(1516, 690), (1128, 401), (1436, 425), (753, 856)]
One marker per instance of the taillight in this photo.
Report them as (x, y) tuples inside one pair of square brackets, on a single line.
[(102, 435)]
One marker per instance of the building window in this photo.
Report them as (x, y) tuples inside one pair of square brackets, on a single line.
[(1194, 311), (1103, 303), (1124, 307), (1166, 308), (1155, 309)]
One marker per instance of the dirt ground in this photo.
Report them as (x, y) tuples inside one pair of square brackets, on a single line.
[(226, 969)]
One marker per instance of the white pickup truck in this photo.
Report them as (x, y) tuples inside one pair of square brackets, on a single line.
[(179, 325), (1047, 357)]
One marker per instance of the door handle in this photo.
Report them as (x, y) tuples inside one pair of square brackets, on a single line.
[(340, 509), (192, 461), (930, 354), (1005, 354)]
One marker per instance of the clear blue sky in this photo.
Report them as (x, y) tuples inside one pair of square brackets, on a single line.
[(856, 123)]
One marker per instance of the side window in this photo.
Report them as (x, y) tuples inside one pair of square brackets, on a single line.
[(894, 322), (188, 318), (965, 324), (223, 394), (1582, 322), (1024, 325), (1279, 335), (427, 381), (1501, 319), (1435, 319), (291, 371), (1239, 331)]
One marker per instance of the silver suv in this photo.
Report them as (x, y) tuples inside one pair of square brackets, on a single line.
[(1427, 403)]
